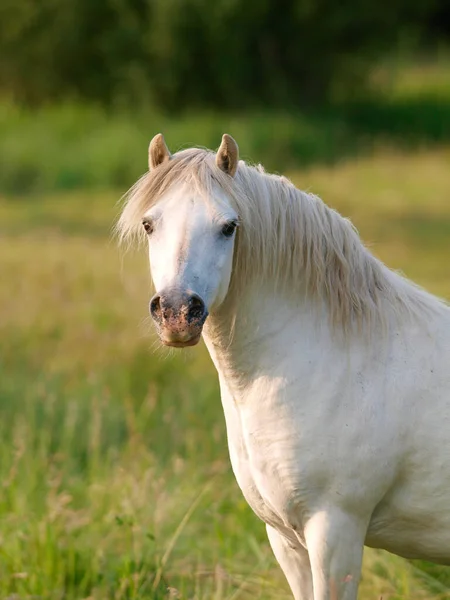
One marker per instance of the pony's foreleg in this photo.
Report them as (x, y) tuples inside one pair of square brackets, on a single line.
[(295, 564), (335, 542)]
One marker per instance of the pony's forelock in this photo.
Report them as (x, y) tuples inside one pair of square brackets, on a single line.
[(194, 167)]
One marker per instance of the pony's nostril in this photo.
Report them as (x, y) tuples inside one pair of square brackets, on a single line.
[(155, 306), (195, 301), (196, 307)]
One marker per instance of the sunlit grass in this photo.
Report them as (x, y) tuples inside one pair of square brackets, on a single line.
[(113, 462)]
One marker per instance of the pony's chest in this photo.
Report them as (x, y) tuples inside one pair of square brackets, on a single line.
[(248, 480), (266, 471)]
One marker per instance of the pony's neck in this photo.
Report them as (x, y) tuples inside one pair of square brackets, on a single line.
[(261, 334)]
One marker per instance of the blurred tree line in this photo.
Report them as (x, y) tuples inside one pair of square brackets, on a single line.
[(178, 54)]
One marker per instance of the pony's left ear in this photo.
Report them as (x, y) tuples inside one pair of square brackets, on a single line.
[(227, 157), (158, 152)]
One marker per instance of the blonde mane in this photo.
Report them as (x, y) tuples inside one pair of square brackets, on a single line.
[(288, 237)]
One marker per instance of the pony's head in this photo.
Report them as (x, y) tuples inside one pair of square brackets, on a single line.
[(191, 229)]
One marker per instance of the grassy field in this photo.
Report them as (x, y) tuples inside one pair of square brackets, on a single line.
[(114, 473)]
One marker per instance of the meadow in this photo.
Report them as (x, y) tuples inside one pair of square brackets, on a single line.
[(114, 473)]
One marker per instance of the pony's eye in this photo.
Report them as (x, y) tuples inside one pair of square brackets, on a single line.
[(148, 226), (229, 228)]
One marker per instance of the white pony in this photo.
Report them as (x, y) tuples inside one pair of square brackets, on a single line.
[(334, 371)]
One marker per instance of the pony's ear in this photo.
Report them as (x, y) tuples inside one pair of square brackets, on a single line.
[(227, 157), (158, 152)]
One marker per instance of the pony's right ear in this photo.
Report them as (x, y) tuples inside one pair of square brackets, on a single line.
[(158, 152)]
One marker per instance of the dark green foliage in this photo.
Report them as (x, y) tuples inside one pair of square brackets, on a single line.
[(175, 54), (78, 146)]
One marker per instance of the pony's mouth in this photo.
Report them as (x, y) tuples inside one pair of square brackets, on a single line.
[(174, 343)]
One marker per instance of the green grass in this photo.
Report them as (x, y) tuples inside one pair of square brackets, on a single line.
[(73, 146), (114, 470)]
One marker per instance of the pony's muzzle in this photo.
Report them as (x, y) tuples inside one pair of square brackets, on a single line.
[(179, 317)]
